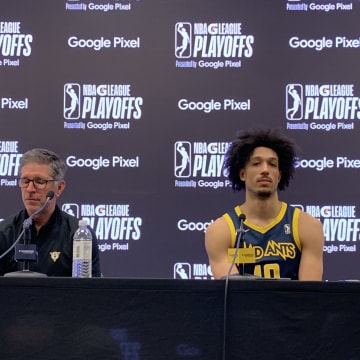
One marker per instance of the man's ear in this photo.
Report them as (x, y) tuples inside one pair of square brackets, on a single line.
[(242, 175), (60, 187)]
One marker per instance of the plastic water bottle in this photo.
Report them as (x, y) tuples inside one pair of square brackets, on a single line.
[(82, 251)]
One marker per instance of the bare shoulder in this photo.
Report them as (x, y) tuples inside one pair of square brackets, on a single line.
[(218, 228), (306, 219), (218, 233), (310, 229), (218, 225)]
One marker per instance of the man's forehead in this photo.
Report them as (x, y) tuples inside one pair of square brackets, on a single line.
[(34, 166), (264, 152)]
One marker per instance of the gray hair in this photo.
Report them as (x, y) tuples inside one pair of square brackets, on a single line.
[(47, 157)]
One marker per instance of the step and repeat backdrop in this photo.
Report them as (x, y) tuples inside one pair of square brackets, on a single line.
[(142, 97)]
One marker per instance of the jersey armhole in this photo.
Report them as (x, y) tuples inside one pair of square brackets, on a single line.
[(232, 219), (295, 226)]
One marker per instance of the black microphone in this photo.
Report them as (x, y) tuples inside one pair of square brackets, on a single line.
[(240, 232), (239, 241), (27, 223), (27, 252)]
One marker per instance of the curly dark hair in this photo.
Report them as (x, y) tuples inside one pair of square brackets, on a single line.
[(240, 150)]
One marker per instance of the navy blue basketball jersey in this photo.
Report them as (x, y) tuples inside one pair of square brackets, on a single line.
[(277, 245)]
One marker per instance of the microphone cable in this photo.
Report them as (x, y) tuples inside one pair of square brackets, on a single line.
[(224, 316), (240, 233)]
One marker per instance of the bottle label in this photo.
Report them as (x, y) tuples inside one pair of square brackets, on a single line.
[(82, 250), (82, 255)]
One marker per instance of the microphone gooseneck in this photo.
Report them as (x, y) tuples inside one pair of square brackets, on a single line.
[(27, 223), (240, 231), (239, 238)]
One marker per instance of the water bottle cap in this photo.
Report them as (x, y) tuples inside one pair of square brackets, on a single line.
[(83, 222)]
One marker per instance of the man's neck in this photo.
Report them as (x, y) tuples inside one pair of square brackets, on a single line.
[(261, 211), (42, 219)]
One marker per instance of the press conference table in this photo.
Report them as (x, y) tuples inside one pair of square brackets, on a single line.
[(148, 319)]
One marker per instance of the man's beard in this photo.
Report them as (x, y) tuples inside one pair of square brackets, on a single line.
[(264, 194)]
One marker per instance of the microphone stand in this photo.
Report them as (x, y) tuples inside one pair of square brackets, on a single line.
[(239, 237), (28, 252), (239, 244)]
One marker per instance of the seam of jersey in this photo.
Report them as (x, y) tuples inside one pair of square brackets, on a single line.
[(264, 229), (295, 228)]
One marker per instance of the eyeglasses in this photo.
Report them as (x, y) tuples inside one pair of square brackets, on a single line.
[(38, 183)]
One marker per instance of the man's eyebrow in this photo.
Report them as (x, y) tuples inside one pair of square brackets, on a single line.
[(262, 158)]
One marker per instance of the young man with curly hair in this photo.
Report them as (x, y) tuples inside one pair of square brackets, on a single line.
[(287, 242)]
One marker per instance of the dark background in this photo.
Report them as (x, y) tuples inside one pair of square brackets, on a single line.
[(149, 190)]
